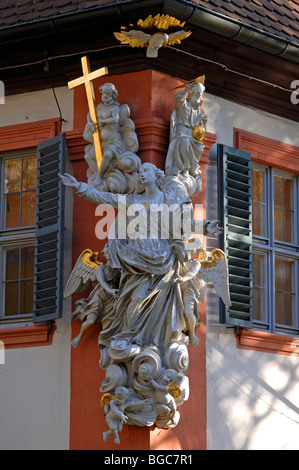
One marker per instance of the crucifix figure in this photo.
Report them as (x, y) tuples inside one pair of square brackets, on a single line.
[(87, 78)]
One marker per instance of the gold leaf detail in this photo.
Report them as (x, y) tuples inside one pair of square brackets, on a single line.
[(90, 258)]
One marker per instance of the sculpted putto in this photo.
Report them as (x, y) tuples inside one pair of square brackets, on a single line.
[(147, 294)]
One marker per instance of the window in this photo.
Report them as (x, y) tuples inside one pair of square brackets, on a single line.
[(275, 250), (18, 171)]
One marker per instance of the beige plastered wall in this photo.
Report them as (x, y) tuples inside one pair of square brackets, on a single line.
[(252, 397), (35, 381)]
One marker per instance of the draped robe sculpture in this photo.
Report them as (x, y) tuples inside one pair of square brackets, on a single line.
[(147, 298)]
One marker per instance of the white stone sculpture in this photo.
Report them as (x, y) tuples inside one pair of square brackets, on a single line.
[(120, 163), (187, 132), (146, 296)]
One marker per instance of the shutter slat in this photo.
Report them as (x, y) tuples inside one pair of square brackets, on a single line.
[(235, 213), (48, 267)]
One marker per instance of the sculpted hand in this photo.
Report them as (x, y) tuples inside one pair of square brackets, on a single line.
[(69, 180), (178, 280), (213, 228)]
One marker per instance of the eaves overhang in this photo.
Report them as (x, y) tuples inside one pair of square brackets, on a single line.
[(184, 10)]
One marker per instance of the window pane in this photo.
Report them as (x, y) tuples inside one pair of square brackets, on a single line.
[(258, 219), (279, 274), (278, 191), (288, 226), (283, 208), (288, 194), (18, 280), (19, 188), (12, 175), (258, 185), (284, 292), (26, 297), (29, 173), (259, 208), (12, 218), (11, 298), (27, 262), (28, 208), (12, 264), (259, 287), (279, 308)]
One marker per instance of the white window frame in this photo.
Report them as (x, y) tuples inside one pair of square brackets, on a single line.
[(270, 248), (12, 237)]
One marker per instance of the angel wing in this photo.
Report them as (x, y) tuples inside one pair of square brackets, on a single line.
[(106, 399), (177, 37), (83, 273), (215, 271), (133, 37)]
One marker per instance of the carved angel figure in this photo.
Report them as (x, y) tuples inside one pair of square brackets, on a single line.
[(152, 42), (215, 271), (125, 407), (194, 273), (115, 417), (164, 394), (153, 33), (100, 301)]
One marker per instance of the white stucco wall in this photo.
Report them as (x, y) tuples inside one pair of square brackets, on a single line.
[(252, 397), (37, 106), (34, 395), (35, 381)]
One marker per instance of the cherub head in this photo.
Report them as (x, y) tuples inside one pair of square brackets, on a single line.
[(106, 252), (169, 376), (121, 394)]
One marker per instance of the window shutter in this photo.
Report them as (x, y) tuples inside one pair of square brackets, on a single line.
[(48, 266), (235, 213)]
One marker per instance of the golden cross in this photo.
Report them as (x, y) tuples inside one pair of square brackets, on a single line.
[(200, 79), (87, 78)]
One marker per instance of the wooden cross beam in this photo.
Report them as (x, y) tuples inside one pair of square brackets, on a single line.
[(86, 79)]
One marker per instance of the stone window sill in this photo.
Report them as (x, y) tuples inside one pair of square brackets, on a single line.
[(267, 342), (28, 336)]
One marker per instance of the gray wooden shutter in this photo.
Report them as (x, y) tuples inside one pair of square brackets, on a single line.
[(235, 213), (48, 266)]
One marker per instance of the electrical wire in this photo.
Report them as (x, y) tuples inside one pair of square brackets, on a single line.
[(47, 68), (223, 66)]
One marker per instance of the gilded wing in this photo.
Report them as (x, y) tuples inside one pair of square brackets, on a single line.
[(133, 37), (83, 273), (106, 399), (177, 37), (215, 271)]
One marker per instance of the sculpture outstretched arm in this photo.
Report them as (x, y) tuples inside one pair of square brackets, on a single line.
[(89, 193), (213, 228), (69, 180), (207, 227)]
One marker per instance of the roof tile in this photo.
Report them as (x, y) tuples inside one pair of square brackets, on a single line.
[(271, 16), (275, 16)]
